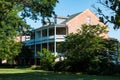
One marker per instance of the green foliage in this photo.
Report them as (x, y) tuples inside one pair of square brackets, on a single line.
[(29, 8), (59, 66), (11, 22), (119, 50), (85, 42), (35, 8), (26, 54), (9, 49), (87, 50), (47, 59), (113, 6), (70, 66), (27, 74)]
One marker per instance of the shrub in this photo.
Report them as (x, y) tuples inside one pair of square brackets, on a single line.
[(47, 59), (46, 64), (59, 66), (70, 66), (103, 69), (98, 68)]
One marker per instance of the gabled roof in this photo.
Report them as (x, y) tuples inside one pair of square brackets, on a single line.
[(70, 17)]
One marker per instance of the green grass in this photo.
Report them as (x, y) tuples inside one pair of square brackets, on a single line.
[(27, 74)]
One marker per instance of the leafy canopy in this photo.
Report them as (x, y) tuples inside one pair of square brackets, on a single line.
[(113, 7), (11, 22), (46, 59), (87, 49), (86, 44)]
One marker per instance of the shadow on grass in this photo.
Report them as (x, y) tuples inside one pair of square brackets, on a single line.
[(42, 75)]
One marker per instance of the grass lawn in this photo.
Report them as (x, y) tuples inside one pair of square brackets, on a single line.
[(27, 74)]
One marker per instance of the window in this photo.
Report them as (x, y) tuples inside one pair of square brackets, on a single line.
[(44, 33), (32, 35), (51, 31), (38, 34), (88, 20), (61, 31)]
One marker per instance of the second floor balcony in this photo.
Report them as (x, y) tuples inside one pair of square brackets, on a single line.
[(48, 34)]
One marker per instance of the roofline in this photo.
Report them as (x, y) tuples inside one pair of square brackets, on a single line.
[(84, 12)]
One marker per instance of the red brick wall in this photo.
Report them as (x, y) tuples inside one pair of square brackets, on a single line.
[(81, 19)]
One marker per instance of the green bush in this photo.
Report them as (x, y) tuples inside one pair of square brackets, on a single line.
[(95, 67), (59, 66), (46, 64), (103, 69), (47, 59), (70, 66)]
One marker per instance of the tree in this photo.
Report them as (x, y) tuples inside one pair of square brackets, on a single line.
[(29, 8), (11, 22), (9, 49), (46, 59), (86, 50), (86, 40), (25, 57), (113, 6), (119, 50)]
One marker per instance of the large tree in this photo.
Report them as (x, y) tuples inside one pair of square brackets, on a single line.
[(112, 7), (85, 42), (9, 49), (12, 17), (86, 49)]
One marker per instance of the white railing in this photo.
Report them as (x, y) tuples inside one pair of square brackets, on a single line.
[(58, 38)]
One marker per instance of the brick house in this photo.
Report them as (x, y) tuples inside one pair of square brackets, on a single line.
[(48, 36)]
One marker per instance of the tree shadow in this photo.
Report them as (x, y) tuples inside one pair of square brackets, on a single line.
[(42, 75)]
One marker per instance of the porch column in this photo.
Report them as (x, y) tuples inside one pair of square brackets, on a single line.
[(35, 50), (47, 32), (41, 47), (35, 55), (47, 45), (55, 41), (47, 38), (41, 40)]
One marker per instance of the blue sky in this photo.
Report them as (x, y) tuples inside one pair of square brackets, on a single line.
[(65, 7)]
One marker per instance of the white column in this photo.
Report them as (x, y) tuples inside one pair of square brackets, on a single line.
[(41, 40), (47, 32), (35, 55), (55, 41), (35, 50), (35, 44), (41, 34), (48, 38), (41, 47)]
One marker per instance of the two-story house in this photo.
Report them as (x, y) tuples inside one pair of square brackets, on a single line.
[(50, 36)]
